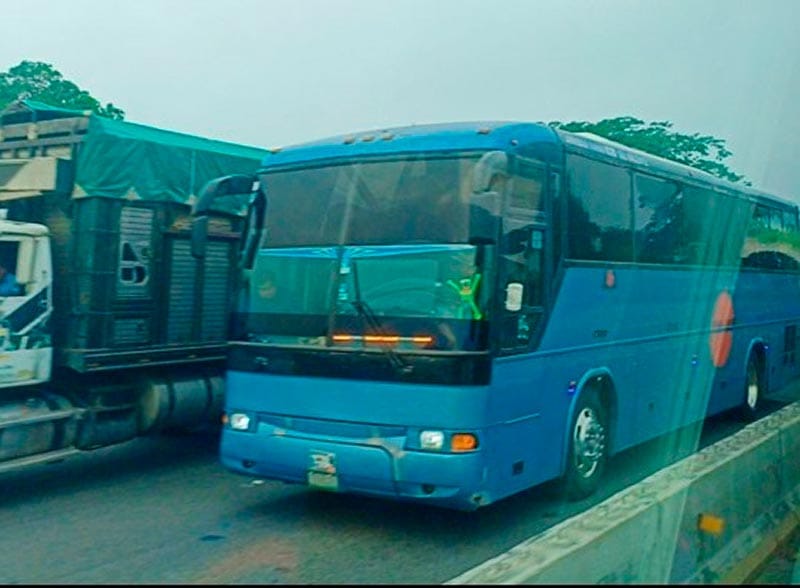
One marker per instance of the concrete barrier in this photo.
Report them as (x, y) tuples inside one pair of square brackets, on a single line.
[(713, 517)]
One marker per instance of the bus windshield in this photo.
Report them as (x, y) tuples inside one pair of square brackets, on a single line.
[(366, 253), (412, 297), (384, 202)]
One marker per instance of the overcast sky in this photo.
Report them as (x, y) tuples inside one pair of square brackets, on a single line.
[(276, 72)]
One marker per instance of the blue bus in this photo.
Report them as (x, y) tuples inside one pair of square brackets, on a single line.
[(451, 314)]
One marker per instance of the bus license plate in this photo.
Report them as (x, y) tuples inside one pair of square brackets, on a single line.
[(322, 473), (323, 481)]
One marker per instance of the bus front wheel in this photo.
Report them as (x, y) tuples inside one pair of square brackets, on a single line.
[(588, 447)]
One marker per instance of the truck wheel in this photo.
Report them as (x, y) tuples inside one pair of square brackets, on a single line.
[(588, 447), (750, 409)]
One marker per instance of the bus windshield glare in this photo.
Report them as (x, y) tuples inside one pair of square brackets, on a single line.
[(370, 203), (367, 254)]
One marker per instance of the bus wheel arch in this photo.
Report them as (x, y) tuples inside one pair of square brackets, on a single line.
[(588, 438), (755, 381)]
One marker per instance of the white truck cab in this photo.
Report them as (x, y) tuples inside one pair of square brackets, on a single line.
[(25, 344)]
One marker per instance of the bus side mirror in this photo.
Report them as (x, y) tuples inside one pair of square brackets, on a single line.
[(225, 186), (487, 169), (254, 228)]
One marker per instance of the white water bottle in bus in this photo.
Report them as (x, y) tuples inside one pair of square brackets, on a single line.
[(514, 296)]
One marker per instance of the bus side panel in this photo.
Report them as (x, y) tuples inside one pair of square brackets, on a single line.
[(648, 328), (526, 408), (766, 308)]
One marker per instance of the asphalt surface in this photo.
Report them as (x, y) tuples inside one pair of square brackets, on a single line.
[(162, 510)]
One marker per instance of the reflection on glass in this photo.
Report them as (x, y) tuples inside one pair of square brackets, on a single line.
[(306, 295)]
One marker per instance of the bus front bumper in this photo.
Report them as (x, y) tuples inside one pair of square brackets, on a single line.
[(376, 467)]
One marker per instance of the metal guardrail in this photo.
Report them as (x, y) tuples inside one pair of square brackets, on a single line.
[(713, 517)]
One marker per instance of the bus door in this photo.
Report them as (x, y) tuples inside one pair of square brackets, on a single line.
[(522, 252), (518, 394), (522, 295)]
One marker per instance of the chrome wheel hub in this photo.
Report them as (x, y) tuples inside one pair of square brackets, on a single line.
[(752, 389), (589, 442)]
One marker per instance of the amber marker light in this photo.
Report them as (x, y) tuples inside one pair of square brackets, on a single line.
[(710, 523), (422, 340), (463, 442), (382, 339)]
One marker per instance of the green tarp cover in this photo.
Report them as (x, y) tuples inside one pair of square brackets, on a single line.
[(119, 159)]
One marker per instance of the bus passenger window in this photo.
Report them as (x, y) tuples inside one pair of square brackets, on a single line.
[(760, 218), (657, 207), (713, 223), (769, 244), (776, 220), (789, 222), (599, 211)]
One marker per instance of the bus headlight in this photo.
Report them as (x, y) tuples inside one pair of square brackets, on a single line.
[(239, 421), (431, 439)]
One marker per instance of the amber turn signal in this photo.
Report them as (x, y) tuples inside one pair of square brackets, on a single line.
[(463, 442)]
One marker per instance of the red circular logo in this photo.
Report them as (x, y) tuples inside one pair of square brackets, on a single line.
[(721, 337)]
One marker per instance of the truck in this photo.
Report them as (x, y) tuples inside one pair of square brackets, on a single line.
[(113, 330)]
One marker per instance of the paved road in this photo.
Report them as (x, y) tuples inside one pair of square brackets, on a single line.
[(162, 510)]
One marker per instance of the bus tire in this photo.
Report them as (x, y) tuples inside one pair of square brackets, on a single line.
[(750, 409), (588, 447)]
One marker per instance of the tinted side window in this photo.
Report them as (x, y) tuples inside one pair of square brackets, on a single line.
[(657, 210), (789, 222), (776, 220), (599, 211), (760, 217), (772, 241), (714, 226)]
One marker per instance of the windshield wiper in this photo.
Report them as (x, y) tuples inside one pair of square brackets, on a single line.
[(374, 322)]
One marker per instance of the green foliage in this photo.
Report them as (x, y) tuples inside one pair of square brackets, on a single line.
[(775, 236), (35, 80), (700, 151)]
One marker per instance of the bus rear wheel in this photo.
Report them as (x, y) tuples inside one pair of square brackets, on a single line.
[(750, 409), (588, 447)]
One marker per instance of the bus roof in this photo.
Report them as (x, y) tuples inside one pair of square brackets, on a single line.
[(453, 137), (591, 143), (488, 135)]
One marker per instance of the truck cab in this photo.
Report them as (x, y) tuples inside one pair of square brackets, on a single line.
[(25, 306)]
